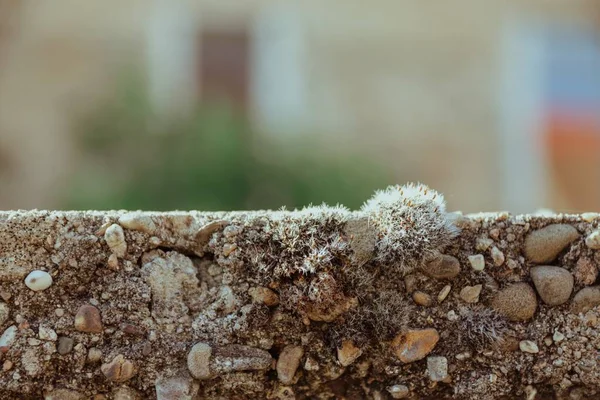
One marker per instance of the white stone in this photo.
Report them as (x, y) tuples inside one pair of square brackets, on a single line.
[(477, 262), (46, 333), (593, 240), (497, 256), (558, 337), (437, 368), (589, 216), (483, 244), (38, 280), (398, 391), (8, 338), (527, 346), (115, 239), (444, 293)]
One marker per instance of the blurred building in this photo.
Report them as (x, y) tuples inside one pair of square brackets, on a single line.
[(457, 95)]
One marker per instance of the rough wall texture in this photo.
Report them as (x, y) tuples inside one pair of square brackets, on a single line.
[(397, 300)]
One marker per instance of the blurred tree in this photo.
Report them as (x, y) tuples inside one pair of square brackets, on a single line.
[(210, 161)]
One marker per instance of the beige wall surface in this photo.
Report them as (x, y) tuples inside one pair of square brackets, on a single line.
[(412, 83)]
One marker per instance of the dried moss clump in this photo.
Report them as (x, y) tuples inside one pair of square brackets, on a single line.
[(412, 225), (480, 326)]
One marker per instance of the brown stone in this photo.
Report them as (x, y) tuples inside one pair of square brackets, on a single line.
[(119, 369), (470, 294), (347, 353), (553, 284), (516, 302), (545, 244), (88, 319), (328, 314), (414, 344), (264, 296), (198, 361), (586, 299), (422, 299), (288, 363), (442, 267)]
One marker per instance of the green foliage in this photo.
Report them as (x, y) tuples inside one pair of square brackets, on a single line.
[(210, 161)]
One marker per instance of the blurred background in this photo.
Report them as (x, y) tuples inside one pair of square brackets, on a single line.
[(162, 104)]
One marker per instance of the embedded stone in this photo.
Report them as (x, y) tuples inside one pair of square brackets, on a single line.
[(437, 368), (545, 244), (237, 357), (470, 294), (288, 363), (586, 299), (553, 284), (65, 345), (115, 239), (517, 302), (8, 338), (414, 344), (38, 280), (399, 391), (63, 394), (119, 369), (178, 387), (348, 352), (477, 262), (264, 296), (198, 361), (528, 346), (88, 319), (442, 267), (593, 240), (4, 313), (422, 299)]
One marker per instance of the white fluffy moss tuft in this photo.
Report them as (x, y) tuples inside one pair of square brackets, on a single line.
[(412, 225)]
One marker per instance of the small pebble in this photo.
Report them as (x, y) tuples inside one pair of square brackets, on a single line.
[(65, 345), (59, 312), (46, 333), (115, 239), (497, 256), (8, 338), (477, 262), (558, 337), (527, 346), (593, 240), (442, 267), (288, 363), (589, 216), (38, 280), (437, 368), (263, 295), (470, 294), (554, 284), (398, 391), (444, 293), (544, 245), (198, 361), (94, 354), (180, 386), (586, 299), (88, 319), (482, 244), (4, 313), (7, 365), (348, 353), (414, 344), (119, 369), (422, 298)]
